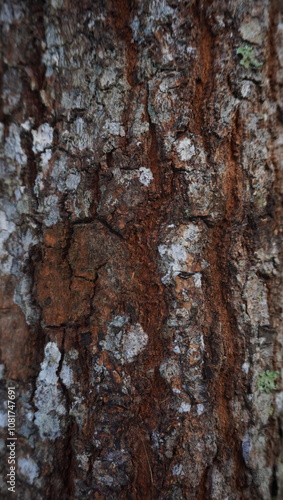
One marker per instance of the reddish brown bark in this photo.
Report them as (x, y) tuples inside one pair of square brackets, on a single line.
[(141, 248)]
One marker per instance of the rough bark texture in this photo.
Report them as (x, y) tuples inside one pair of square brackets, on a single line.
[(140, 247)]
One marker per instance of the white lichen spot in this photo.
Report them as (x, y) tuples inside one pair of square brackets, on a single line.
[(83, 461), (145, 176), (247, 89), (124, 341), (134, 342), (66, 375), (139, 126), (108, 78), (27, 125), (44, 160), (176, 256), (48, 396), (49, 208), (73, 180), (2, 371), (28, 468), (71, 100), (19, 191), (50, 364), (23, 298), (176, 391), (185, 148), (6, 229), (246, 367), (177, 349), (114, 128), (178, 252), (13, 148), (42, 138), (197, 280), (54, 55), (251, 31), (200, 409), (184, 408), (178, 470), (30, 416), (28, 240)]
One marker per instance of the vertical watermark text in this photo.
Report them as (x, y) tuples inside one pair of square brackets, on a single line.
[(11, 439)]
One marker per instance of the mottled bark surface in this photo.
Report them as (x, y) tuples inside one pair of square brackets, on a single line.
[(140, 248)]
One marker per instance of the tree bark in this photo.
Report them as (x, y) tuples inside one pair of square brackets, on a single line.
[(141, 248)]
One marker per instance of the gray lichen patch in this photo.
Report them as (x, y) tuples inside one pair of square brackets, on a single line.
[(23, 298), (10, 13), (42, 138), (56, 174), (251, 31), (184, 407), (186, 149), (123, 340), (179, 255), (66, 375), (134, 342), (6, 229), (14, 153), (48, 397), (49, 210), (28, 469), (175, 258), (73, 180), (145, 176)]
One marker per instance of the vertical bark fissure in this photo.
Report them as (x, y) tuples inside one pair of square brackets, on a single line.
[(141, 240), (153, 312), (220, 281), (68, 482), (205, 79), (219, 255), (122, 10)]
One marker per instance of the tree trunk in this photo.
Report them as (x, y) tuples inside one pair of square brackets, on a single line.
[(140, 248)]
